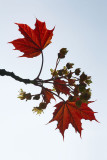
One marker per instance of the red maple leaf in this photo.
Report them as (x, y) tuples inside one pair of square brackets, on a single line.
[(47, 95), (61, 87), (35, 39), (67, 112)]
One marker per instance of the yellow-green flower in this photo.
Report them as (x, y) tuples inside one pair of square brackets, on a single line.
[(38, 111), (22, 94)]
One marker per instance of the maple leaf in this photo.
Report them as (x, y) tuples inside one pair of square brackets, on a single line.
[(67, 112), (60, 86), (47, 95), (35, 39)]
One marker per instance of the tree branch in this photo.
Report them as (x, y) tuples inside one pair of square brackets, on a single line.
[(3, 72)]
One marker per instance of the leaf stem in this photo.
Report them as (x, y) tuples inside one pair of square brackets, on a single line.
[(41, 66), (57, 62), (52, 79)]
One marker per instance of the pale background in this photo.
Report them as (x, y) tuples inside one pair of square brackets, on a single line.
[(81, 27)]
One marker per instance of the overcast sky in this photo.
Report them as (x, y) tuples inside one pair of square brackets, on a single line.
[(81, 27)]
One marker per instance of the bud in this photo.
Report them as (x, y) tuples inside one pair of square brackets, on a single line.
[(69, 65), (62, 53), (83, 77), (28, 96), (42, 105), (51, 70), (77, 71), (60, 72), (36, 97), (81, 87), (86, 95), (61, 56)]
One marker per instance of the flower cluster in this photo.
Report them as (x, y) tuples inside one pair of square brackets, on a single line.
[(68, 81)]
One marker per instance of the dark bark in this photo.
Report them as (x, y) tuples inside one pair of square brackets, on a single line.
[(3, 72)]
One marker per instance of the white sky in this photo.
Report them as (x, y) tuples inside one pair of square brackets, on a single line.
[(81, 27)]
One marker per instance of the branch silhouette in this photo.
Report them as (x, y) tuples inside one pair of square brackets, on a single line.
[(3, 72)]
